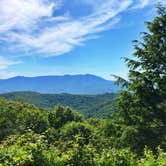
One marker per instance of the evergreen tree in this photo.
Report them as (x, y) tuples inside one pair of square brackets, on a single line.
[(142, 104)]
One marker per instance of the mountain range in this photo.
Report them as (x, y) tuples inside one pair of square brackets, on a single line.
[(72, 84)]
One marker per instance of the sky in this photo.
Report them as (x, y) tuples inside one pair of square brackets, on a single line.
[(58, 37)]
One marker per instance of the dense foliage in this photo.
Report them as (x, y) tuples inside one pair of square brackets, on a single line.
[(88, 105), (31, 136), (135, 136), (142, 105)]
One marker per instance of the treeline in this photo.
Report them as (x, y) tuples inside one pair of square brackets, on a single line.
[(88, 105), (134, 136)]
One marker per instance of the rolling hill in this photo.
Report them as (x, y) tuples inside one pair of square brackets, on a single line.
[(89, 105)]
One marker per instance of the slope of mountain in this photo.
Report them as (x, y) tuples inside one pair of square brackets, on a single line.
[(72, 84), (89, 105)]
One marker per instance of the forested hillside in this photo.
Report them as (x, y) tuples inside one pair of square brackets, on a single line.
[(88, 105), (134, 136)]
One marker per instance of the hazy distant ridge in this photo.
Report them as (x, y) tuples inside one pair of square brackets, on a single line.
[(73, 84)]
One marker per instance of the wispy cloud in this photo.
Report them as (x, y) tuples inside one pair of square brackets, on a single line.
[(23, 15), (5, 74), (139, 4), (31, 27), (5, 63)]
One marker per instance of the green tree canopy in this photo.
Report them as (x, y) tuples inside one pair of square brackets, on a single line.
[(62, 115), (142, 104)]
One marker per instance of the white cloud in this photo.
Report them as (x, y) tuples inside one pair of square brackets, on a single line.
[(5, 74), (141, 4), (5, 63), (23, 15), (29, 26)]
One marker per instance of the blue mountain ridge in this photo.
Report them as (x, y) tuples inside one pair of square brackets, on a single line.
[(72, 84)]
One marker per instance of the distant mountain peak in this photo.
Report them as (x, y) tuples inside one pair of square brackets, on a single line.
[(73, 84)]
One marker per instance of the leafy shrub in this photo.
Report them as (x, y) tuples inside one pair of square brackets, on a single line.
[(62, 115)]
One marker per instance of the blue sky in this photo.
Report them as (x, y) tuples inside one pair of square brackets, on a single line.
[(57, 37)]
